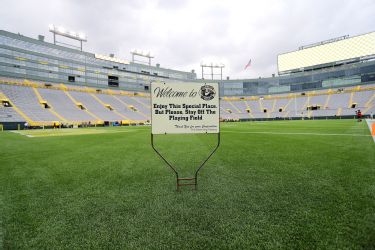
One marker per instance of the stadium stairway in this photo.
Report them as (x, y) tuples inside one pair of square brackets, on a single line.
[(351, 100), (80, 105), (50, 107), (11, 113), (241, 106), (234, 107), (146, 102), (260, 105), (25, 102), (143, 107), (63, 105), (327, 101), (133, 113), (108, 106), (273, 108), (370, 104), (94, 106), (279, 105), (139, 110), (138, 100), (248, 109), (360, 98)]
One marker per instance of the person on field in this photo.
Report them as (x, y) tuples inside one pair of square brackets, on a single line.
[(359, 115)]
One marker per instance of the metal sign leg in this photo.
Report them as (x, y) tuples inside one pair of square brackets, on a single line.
[(185, 181), (165, 160)]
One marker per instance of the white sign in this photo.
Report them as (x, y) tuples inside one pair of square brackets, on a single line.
[(182, 108)]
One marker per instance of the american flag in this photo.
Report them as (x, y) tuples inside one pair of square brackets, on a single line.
[(248, 64)]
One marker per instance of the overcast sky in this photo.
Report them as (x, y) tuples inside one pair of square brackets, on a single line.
[(181, 34)]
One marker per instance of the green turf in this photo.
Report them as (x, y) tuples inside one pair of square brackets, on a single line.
[(287, 184)]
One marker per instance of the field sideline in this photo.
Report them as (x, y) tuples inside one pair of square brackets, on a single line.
[(286, 184)]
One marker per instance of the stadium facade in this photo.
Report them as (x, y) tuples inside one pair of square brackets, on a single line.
[(45, 84), (28, 58), (35, 59)]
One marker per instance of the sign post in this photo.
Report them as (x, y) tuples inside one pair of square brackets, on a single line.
[(185, 108)]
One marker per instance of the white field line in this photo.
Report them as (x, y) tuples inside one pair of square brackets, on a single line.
[(369, 124), (291, 121), (314, 127), (67, 133), (20, 133), (254, 124), (288, 133)]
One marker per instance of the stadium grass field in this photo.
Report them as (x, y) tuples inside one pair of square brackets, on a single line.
[(286, 184)]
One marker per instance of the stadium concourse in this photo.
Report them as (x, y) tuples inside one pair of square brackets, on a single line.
[(48, 104)]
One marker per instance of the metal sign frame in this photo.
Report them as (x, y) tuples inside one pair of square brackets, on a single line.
[(186, 181)]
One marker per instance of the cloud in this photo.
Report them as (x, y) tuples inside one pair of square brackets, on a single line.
[(183, 33)]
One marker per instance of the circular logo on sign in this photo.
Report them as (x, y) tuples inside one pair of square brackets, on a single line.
[(207, 92)]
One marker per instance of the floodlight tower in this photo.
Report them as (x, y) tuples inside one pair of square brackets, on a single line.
[(213, 66), (61, 31), (141, 53)]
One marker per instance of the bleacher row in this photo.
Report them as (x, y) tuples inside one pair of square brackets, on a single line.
[(328, 103), (41, 105), (45, 104)]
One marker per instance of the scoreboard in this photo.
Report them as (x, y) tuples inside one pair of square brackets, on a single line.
[(342, 50)]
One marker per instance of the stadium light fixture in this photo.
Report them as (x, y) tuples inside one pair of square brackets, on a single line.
[(141, 53), (62, 31), (82, 36), (212, 65)]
